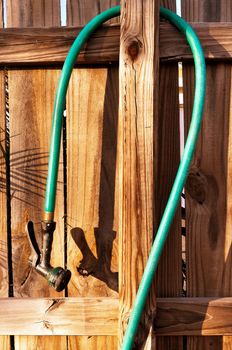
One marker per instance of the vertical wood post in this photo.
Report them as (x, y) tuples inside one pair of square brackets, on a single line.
[(138, 101)]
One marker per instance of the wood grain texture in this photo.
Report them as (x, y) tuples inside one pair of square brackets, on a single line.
[(92, 343), (137, 108), (99, 316), (61, 316), (91, 135), (208, 188), (33, 13), (79, 12), (31, 98), (49, 46), (194, 316), (3, 194), (214, 38), (167, 158), (91, 144), (92, 107), (4, 281), (39, 343)]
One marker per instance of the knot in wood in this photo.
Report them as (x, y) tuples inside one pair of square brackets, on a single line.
[(196, 186), (134, 48)]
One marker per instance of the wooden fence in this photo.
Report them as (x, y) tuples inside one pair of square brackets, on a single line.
[(120, 153)]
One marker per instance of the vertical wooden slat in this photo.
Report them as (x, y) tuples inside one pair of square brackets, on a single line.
[(4, 341), (92, 106), (80, 12), (4, 284), (33, 13), (208, 190), (138, 103), (31, 98), (90, 247), (167, 158)]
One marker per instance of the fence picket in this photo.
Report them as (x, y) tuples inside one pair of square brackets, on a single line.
[(31, 98), (208, 237)]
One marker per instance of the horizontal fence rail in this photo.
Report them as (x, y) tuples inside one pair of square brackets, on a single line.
[(32, 46), (99, 316)]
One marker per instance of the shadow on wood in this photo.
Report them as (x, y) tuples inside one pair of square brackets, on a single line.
[(105, 235)]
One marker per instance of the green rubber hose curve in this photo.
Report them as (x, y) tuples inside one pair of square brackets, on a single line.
[(59, 104), (162, 233), (174, 197)]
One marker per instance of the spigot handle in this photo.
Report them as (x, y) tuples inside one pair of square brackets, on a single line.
[(35, 251)]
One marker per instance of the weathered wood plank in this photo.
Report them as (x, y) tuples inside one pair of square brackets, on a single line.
[(91, 150), (80, 12), (31, 98), (167, 158), (92, 106), (33, 13), (214, 38), (99, 316), (208, 190), (4, 192), (61, 316), (4, 280), (92, 342), (194, 316), (49, 46), (39, 342), (138, 106), (91, 135)]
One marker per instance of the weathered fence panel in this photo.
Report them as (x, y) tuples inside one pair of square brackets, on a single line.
[(119, 156)]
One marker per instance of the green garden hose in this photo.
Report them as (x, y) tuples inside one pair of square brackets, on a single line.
[(200, 84)]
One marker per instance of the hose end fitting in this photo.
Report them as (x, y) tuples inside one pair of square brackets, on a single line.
[(57, 277)]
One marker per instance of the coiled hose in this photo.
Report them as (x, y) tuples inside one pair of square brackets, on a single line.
[(169, 212)]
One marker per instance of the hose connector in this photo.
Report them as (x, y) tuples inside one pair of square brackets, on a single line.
[(57, 277)]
